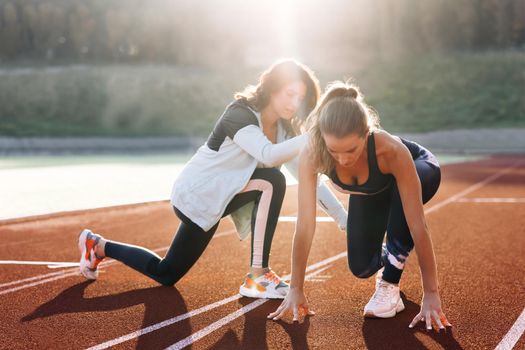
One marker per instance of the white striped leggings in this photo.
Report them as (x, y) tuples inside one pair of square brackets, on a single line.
[(266, 187)]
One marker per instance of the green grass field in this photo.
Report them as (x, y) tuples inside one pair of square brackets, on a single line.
[(448, 91)]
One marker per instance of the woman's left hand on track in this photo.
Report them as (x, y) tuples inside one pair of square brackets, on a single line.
[(295, 302), (431, 312)]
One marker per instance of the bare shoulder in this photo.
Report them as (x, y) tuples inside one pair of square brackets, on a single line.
[(387, 144), (388, 149)]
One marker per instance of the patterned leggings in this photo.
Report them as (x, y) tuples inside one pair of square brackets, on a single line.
[(370, 215)]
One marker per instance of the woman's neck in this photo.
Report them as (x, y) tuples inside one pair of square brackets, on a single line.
[(269, 118)]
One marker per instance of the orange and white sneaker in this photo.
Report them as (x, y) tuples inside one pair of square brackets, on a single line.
[(267, 285), (386, 301), (89, 261)]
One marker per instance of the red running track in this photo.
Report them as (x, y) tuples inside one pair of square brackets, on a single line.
[(479, 245)]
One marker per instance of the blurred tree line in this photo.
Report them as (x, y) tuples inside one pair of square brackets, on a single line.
[(211, 32), (168, 67)]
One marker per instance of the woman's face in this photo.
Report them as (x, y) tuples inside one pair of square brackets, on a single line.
[(345, 150), (287, 101)]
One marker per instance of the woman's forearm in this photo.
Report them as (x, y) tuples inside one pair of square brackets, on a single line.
[(305, 227), (252, 140), (302, 243), (427, 261)]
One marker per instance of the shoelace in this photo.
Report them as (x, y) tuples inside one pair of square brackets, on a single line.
[(382, 293), (270, 275)]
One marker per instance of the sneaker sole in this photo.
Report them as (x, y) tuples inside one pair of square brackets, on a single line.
[(84, 264), (388, 314), (251, 293)]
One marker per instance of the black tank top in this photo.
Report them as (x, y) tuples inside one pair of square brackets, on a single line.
[(376, 182)]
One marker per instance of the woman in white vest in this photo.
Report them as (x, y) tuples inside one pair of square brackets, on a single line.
[(234, 173)]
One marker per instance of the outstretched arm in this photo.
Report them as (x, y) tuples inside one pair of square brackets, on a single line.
[(409, 186), (295, 300), (242, 127), (252, 140)]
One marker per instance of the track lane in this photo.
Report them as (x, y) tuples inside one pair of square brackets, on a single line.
[(87, 303)]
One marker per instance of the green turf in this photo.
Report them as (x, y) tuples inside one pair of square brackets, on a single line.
[(424, 93), (466, 91)]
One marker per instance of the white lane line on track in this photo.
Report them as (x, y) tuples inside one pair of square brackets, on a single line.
[(433, 208), (514, 334), (38, 277), (316, 273), (245, 309), (72, 272), (44, 278), (58, 275), (491, 200), (53, 276), (31, 279), (165, 323), (178, 318), (54, 263), (216, 325), (458, 195), (64, 264), (14, 289), (473, 187), (227, 319)]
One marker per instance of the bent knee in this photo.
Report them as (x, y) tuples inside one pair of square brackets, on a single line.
[(362, 270), (277, 178), (167, 281)]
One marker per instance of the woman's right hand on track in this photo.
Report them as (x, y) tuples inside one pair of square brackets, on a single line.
[(296, 302), (431, 312)]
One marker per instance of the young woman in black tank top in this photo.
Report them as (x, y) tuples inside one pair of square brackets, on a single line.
[(388, 179)]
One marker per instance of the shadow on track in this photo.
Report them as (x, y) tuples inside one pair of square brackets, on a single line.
[(393, 333), (254, 329), (160, 303)]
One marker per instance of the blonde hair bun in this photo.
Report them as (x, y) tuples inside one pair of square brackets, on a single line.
[(352, 92)]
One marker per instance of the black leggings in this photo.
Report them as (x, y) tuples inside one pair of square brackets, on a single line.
[(266, 187), (370, 215)]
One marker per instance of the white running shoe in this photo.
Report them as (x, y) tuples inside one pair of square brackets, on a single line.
[(267, 285), (89, 261), (386, 301)]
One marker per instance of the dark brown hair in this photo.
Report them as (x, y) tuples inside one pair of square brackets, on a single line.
[(273, 79)]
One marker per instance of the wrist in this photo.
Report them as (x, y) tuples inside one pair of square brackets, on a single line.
[(296, 288), (431, 291)]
